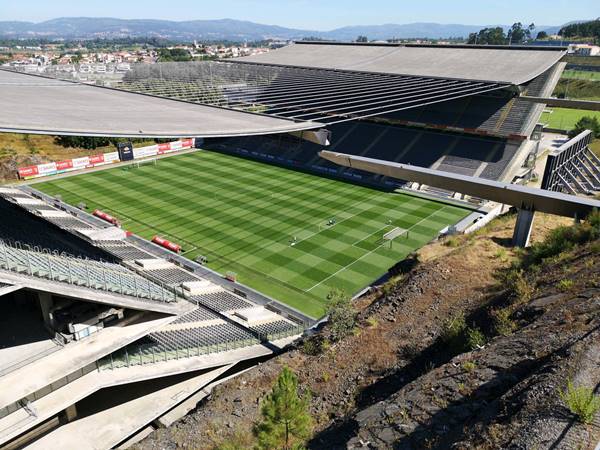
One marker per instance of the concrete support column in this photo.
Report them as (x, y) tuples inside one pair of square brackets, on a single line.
[(46, 303), (523, 228), (71, 413)]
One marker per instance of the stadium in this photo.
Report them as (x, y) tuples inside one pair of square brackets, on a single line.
[(138, 280)]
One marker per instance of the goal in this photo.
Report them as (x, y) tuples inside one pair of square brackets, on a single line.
[(391, 235), (144, 162)]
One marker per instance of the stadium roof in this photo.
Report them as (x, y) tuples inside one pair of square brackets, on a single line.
[(325, 96), (40, 105), (300, 87), (500, 64)]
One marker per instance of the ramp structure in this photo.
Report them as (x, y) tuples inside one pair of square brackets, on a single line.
[(573, 167)]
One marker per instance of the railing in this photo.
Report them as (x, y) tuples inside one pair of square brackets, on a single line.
[(143, 354), (296, 329), (77, 272), (22, 403)]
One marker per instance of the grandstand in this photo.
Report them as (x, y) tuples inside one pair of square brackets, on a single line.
[(73, 280), (485, 135), (93, 306)]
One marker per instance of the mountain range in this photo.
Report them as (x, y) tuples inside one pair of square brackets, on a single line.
[(224, 29)]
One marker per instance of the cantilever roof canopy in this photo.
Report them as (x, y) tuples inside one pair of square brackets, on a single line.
[(297, 93), (501, 64), (39, 105), (300, 87)]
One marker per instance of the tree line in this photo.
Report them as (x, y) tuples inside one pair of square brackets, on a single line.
[(586, 29), (92, 143), (516, 34)]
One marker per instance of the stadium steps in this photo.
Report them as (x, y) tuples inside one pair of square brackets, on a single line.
[(96, 275)]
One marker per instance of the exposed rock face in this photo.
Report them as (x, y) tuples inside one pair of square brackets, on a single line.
[(509, 397)]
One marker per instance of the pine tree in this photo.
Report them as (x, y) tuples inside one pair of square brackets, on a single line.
[(286, 422)]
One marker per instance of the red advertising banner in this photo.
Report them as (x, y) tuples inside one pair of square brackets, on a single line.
[(84, 162), (96, 159), (64, 165), (29, 171)]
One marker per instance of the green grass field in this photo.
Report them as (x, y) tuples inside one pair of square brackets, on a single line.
[(242, 215), (565, 119), (581, 75)]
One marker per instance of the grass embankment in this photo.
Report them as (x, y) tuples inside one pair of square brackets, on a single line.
[(565, 119), (581, 75), (578, 88)]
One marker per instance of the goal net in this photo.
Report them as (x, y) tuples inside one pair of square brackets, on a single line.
[(396, 232), (144, 162)]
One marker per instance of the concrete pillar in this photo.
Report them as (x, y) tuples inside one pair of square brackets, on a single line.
[(71, 413), (523, 228), (46, 303)]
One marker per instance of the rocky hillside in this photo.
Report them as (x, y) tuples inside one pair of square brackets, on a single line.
[(463, 351)]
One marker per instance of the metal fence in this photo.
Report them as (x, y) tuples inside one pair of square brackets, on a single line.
[(142, 354)]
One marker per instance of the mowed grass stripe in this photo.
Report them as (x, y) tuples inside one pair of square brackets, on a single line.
[(242, 214)]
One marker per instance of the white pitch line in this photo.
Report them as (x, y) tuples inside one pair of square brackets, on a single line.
[(337, 223), (375, 249), (190, 250), (369, 235)]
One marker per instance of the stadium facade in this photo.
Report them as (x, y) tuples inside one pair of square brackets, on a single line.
[(108, 335)]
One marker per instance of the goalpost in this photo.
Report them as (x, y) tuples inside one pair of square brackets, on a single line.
[(393, 234), (138, 164)]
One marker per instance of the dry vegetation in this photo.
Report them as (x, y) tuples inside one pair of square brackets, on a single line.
[(18, 150)]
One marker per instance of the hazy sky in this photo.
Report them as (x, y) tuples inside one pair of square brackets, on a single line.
[(313, 14)]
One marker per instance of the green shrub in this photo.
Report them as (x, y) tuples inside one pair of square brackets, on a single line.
[(581, 401), (451, 242), (312, 346), (565, 285), (586, 123), (520, 285), (503, 324), (563, 239), (372, 322), (453, 332), (469, 366), (342, 316), (501, 254), (475, 338)]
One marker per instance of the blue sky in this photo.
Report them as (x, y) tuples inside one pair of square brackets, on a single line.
[(313, 14)]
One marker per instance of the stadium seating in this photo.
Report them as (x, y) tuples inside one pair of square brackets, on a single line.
[(87, 273), (17, 225), (457, 153), (222, 301), (173, 277), (199, 314), (123, 251), (273, 329), (491, 112)]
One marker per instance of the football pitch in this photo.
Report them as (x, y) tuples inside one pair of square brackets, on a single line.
[(288, 234)]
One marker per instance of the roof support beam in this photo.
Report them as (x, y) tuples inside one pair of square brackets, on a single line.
[(516, 195), (588, 105)]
